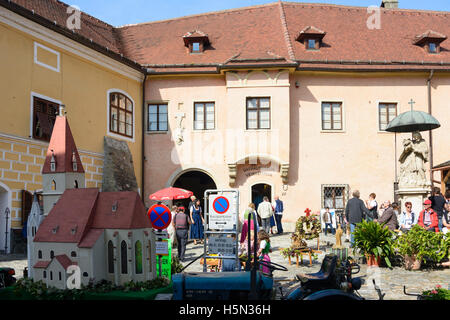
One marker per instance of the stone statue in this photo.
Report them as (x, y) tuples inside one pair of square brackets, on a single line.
[(178, 132), (412, 162), (339, 233)]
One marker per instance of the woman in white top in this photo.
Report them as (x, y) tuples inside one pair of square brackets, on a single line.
[(407, 218)]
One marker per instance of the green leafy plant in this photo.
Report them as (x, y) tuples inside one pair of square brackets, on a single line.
[(176, 266), (438, 293), (372, 238), (423, 245)]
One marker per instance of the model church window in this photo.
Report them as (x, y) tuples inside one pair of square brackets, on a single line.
[(204, 118), (386, 113), (74, 162), (157, 117), (53, 163), (121, 112), (258, 113), (311, 37), (138, 257), (44, 116), (123, 256), (196, 41), (53, 185), (39, 254), (430, 41), (110, 257), (332, 116)]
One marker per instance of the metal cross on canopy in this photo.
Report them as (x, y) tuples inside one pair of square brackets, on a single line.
[(412, 102)]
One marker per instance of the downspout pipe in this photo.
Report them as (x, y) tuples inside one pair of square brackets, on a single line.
[(431, 134), (143, 139)]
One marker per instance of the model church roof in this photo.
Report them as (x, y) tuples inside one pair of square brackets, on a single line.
[(81, 215), (63, 149)]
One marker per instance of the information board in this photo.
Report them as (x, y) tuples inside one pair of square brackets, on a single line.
[(162, 247), (224, 245), (166, 262)]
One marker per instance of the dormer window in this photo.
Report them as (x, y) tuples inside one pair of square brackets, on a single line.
[(430, 41), (311, 37), (196, 41)]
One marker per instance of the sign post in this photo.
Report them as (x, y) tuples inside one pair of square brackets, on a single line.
[(221, 225), (160, 218)]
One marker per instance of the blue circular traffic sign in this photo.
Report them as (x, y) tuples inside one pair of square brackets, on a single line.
[(160, 216), (221, 205)]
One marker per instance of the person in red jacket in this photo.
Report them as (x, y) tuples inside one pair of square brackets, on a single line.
[(428, 218)]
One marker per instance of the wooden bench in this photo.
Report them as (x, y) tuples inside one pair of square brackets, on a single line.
[(307, 252)]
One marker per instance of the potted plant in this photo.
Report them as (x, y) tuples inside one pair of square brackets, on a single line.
[(418, 245), (374, 241)]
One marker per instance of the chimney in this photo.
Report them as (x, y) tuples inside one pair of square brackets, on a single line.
[(389, 4)]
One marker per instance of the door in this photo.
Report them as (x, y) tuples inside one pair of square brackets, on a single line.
[(259, 191)]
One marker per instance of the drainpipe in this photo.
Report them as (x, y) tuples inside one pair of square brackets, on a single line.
[(143, 140), (431, 135)]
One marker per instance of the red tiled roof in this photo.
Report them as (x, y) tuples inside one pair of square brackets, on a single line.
[(63, 146), (64, 261), (91, 28), (130, 213), (81, 215), (69, 219), (41, 264), (90, 238)]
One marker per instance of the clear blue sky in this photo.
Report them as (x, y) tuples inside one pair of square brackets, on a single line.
[(121, 12)]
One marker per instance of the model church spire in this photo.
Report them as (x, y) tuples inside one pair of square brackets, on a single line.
[(62, 167)]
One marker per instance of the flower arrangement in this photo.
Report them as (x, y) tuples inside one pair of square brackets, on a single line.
[(438, 293)]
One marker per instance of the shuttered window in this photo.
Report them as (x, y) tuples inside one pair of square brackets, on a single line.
[(44, 116)]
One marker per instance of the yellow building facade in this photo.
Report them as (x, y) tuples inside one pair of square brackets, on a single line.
[(39, 66)]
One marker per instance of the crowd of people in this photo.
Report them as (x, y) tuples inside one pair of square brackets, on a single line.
[(189, 224), (434, 215)]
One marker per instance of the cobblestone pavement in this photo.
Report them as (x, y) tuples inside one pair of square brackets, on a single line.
[(391, 282)]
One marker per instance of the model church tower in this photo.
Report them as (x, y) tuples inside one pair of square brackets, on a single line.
[(62, 167)]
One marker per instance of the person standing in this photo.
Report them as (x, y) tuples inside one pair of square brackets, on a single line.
[(327, 220), (354, 213), (170, 229), (265, 211), (192, 203), (407, 218), (446, 218), (428, 218), (181, 224), (264, 249), (197, 222), (279, 208), (437, 204), (249, 211), (372, 205), (389, 217)]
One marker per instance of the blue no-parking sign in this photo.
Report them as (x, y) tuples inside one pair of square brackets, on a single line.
[(160, 216)]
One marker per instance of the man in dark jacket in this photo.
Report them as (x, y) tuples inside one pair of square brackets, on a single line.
[(354, 213), (437, 204), (389, 217)]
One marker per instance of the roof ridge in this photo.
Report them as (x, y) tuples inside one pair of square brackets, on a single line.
[(200, 15), (285, 31), (365, 7)]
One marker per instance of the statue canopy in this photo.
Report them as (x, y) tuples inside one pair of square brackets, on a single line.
[(411, 121)]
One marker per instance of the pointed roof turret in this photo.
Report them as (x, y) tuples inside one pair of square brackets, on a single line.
[(62, 150)]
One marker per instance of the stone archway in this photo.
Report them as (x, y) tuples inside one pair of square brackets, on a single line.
[(5, 230), (195, 180)]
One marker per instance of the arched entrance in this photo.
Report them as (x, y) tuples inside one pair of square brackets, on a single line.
[(259, 191), (5, 230), (197, 182)]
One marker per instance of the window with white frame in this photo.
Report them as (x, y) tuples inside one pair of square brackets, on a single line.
[(204, 116), (386, 113), (121, 112), (332, 116), (258, 113)]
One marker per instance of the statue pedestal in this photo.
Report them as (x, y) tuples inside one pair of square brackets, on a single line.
[(414, 195)]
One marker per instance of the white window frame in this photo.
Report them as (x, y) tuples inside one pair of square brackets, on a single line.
[(108, 121), (344, 127), (387, 101), (37, 95)]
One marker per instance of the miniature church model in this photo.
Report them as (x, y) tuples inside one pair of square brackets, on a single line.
[(106, 234)]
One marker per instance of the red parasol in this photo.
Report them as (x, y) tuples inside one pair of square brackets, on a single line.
[(171, 194)]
